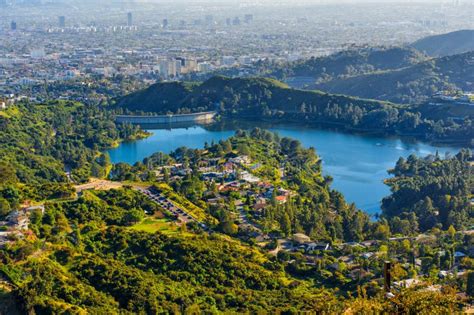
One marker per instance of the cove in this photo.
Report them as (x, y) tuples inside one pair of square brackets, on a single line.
[(358, 163)]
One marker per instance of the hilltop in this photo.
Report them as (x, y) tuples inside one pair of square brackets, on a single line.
[(446, 44), (245, 96), (350, 63), (412, 84)]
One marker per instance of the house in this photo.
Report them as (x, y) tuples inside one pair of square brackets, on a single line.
[(227, 188), (35, 208), (315, 246), (418, 262), (238, 203), (301, 238), (407, 283), (335, 266), (359, 273), (3, 104), (18, 220), (346, 259), (241, 160), (459, 255), (214, 201), (367, 255), (353, 244), (369, 243), (281, 199), (260, 204), (246, 176), (229, 167)]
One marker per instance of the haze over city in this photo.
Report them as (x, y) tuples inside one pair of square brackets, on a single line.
[(236, 157)]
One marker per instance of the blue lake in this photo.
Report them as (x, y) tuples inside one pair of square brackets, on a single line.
[(357, 163)]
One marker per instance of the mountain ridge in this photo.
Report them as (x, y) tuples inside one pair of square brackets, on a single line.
[(442, 45)]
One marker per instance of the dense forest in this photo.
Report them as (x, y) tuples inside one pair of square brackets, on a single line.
[(431, 193), (45, 147), (267, 99), (90, 253), (97, 264)]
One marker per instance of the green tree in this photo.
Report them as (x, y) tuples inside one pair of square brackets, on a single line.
[(5, 207), (451, 232), (470, 284), (286, 224)]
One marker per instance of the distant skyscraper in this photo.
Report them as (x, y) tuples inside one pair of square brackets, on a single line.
[(228, 21), (209, 19), (129, 19), (62, 21), (248, 18), (165, 23), (236, 21), (13, 26)]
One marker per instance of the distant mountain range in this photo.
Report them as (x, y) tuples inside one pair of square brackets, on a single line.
[(410, 74), (446, 44), (413, 84), (350, 63)]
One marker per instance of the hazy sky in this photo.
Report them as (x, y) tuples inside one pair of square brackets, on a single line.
[(307, 1)]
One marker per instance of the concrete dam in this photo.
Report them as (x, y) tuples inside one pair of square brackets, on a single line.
[(166, 119)]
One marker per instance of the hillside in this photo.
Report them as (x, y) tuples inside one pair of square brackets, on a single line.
[(246, 96), (91, 254), (350, 63), (267, 99), (446, 44), (412, 84)]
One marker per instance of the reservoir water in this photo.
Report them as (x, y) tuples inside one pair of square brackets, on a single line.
[(358, 163)]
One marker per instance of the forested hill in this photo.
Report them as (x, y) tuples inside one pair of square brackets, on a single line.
[(350, 63), (446, 44), (412, 84), (246, 96)]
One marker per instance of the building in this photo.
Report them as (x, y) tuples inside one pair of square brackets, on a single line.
[(62, 21), (165, 23), (248, 18), (37, 53), (13, 26), (204, 67), (209, 20), (236, 21), (228, 61), (301, 238), (168, 68), (245, 60), (129, 19)]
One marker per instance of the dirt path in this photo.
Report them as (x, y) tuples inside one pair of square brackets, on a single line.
[(98, 184)]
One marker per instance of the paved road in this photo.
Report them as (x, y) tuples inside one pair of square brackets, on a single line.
[(244, 221)]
